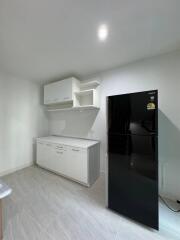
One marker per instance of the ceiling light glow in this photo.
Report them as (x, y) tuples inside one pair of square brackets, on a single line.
[(102, 32)]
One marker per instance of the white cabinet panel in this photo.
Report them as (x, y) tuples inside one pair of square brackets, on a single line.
[(49, 97), (66, 91), (77, 164), (44, 154), (61, 91), (60, 160), (41, 156)]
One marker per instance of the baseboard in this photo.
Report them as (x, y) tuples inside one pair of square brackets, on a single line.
[(12, 170), (168, 196)]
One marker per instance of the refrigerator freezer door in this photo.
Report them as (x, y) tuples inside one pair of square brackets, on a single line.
[(133, 177), (134, 113)]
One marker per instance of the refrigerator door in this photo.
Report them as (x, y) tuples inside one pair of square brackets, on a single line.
[(134, 113), (133, 177)]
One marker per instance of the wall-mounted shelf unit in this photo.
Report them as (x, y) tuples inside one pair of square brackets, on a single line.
[(81, 108), (70, 94), (74, 158), (86, 98), (84, 92)]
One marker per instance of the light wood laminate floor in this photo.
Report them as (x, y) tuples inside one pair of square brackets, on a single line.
[(44, 206)]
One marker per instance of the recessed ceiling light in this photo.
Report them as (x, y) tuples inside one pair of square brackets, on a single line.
[(102, 32)]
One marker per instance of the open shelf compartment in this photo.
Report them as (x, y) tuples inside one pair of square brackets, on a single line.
[(85, 98)]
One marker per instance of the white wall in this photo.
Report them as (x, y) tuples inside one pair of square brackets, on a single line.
[(21, 120), (162, 73)]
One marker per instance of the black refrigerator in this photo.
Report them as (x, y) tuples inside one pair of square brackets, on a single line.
[(133, 156)]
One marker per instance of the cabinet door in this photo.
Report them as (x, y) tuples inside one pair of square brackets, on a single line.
[(44, 152), (77, 164), (49, 95), (60, 165), (64, 90), (58, 92)]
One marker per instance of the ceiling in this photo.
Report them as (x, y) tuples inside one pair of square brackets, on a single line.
[(51, 39)]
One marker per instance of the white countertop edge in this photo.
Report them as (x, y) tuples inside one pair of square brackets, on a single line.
[(45, 139), (65, 144)]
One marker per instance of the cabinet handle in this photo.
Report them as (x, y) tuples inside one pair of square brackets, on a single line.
[(75, 150), (59, 152), (59, 147)]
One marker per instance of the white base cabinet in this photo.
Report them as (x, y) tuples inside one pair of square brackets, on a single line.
[(81, 164)]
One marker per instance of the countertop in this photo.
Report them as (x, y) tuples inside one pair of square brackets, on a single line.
[(4, 190), (76, 142)]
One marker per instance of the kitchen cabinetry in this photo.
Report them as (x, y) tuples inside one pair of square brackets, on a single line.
[(58, 160), (78, 169), (44, 151), (70, 94), (87, 98), (77, 159), (61, 91)]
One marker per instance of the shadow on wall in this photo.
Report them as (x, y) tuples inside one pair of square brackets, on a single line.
[(169, 157), (76, 123)]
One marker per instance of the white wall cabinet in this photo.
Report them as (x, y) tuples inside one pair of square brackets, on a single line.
[(71, 94), (80, 163), (61, 91)]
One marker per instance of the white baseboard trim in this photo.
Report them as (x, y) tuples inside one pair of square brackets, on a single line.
[(12, 170), (168, 196)]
